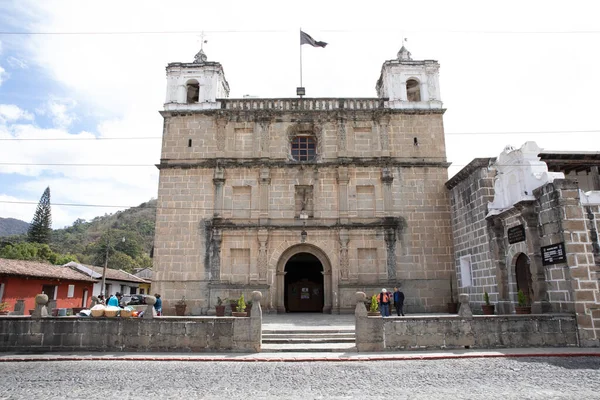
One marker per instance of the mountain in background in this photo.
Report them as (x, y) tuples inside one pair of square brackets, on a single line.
[(12, 226), (128, 234)]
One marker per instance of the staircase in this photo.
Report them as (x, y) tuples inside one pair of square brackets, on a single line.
[(333, 339)]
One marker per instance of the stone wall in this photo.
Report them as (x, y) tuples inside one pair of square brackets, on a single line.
[(459, 332), (148, 334)]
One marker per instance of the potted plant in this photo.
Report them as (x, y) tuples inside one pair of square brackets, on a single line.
[(453, 305), (487, 308), (233, 305), (241, 306), (4, 309), (180, 307), (523, 306), (373, 307), (220, 308), (249, 307)]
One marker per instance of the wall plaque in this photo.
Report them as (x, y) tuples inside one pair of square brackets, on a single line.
[(516, 234), (554, 254)]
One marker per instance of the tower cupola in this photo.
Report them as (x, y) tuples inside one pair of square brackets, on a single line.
[(196, 85), (410, 84)]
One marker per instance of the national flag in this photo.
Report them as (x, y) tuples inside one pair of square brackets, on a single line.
[(305, 38)]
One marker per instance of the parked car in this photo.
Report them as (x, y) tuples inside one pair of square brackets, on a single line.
[(137, 299)]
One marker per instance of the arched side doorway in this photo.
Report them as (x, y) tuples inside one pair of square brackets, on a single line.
[(303, 280), (304, 284), (523, 277)]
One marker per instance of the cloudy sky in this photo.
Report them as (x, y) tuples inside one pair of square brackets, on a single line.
[(86, 79)]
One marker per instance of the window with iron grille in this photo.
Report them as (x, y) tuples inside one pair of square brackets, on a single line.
[(304, 148)]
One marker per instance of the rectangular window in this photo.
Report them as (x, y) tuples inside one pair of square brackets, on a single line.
[(71, 291), (303, 148), (466, 279)]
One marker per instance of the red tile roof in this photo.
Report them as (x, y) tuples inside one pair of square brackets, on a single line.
[(40, 270), (112, 274)]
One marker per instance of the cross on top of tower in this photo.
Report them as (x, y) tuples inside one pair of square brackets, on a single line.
[(200, 56)]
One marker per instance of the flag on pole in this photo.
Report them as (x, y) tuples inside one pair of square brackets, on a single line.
[(305, 38)]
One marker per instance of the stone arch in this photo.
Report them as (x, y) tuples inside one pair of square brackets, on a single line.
[(287, 250), (192, 87), (413, 89)]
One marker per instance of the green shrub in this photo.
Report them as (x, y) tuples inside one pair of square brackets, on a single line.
[(374, 306), (521, 298), (486, 298), (241, 304)]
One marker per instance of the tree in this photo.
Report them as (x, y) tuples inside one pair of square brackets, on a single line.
[(40, 228)]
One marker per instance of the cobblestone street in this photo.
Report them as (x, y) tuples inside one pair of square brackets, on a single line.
[(522, 378)]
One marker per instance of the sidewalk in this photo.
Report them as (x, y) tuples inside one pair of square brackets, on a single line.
[(306, 357)]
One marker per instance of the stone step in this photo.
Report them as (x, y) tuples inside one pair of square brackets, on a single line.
[(349, 335), (282, 340), (307, 331), (309, 348)]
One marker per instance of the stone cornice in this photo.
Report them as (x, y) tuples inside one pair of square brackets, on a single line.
[(464, 173), (261, 162)]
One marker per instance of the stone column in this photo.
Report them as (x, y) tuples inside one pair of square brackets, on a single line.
[(149, 312), (384, 137), (342, 145), (219, 182), (496, 236), (369, 332), (343, 180), (402, 95), (256, 320), (280, 292), (465, 309), (424, 90), (264, 183)]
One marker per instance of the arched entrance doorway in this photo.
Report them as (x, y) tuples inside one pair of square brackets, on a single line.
[(523, 276), (304, 289)]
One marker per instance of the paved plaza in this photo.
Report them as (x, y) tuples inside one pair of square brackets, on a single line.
[(497, 378)]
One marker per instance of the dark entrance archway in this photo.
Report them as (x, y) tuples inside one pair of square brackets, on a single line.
[(523, 275), (304, 284)]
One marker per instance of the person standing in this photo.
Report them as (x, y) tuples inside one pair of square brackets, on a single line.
[(399, 301), (384, 303), (114, 300), (158, 305)]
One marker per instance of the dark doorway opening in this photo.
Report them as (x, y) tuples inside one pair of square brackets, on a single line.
[(304, 284), (523, 273)]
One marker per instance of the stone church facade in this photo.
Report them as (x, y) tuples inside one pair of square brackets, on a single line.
[(529, 220), (307, 200)]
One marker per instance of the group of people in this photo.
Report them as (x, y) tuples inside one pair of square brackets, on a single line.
[(115, 300), (384, 299)]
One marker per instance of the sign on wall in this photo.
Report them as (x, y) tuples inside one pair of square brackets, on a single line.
[(516, 234), (554, 254)]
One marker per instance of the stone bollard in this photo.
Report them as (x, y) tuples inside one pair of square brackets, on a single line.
[(19, 307), (360, 310), (94, 301), (465, 309), (150, 301), (256, 320), (40, 306)]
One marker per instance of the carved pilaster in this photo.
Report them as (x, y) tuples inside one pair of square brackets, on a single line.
[(219, 182), (344, 262), (215, 254), (263, 236), (390, 245), (343, 180), (342, 136), (264, 184), (384, 136), (387, 177), (221, 124)]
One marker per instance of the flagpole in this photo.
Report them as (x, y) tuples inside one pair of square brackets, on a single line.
[(300, 58)]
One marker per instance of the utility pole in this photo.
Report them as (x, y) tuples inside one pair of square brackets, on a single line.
[(103, 287)]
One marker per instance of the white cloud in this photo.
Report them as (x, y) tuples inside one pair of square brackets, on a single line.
[(3, 75), (11, 112), (16, 62), (60, 110)]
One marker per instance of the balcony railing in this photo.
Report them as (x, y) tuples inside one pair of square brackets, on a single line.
[(321, 104)]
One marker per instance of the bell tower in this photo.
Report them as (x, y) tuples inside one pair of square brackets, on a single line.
[(410, 84), (196, 85)]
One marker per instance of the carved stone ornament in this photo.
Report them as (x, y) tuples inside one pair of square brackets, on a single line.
[(200, 57)]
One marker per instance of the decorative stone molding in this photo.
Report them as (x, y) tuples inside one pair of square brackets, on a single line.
[(344, 262)]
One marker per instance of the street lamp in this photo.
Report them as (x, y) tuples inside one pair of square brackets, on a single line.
[(103, 287)]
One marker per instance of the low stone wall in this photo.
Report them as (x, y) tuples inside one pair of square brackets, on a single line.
[(463, 331), (148, 334)]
